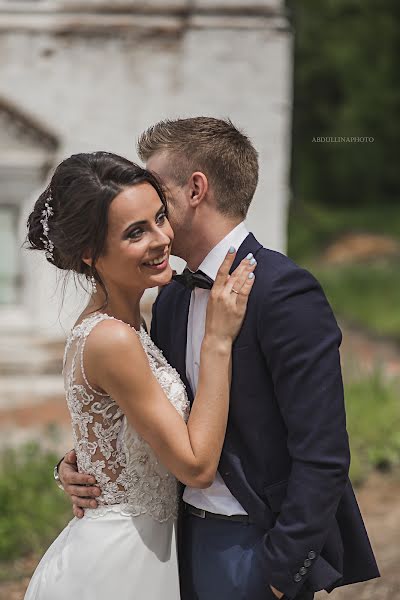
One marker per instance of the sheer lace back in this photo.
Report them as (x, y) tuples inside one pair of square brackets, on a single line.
[(131, 479)]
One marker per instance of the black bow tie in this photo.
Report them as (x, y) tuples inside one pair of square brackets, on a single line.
[(191, 280)]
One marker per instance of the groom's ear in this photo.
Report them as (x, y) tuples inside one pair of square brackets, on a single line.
[(198, 188)]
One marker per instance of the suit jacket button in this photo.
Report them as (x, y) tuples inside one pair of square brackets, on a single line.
[(307, 562), (297, 577), (312, 555), (302, 570)]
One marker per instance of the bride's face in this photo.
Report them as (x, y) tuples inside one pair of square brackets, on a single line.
[(138, 234)]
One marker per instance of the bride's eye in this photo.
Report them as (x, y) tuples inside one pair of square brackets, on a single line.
[(160, 220), (135, 234)]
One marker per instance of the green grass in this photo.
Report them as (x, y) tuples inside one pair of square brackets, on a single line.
[(33, 509), (373, 423), (365, 295), (313, 227)]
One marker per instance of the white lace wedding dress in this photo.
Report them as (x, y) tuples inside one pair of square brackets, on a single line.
[(126, 548)]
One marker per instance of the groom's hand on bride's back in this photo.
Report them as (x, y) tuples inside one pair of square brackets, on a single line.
[(80, 487)]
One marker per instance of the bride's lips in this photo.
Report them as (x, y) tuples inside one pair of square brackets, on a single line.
[(161, 266)]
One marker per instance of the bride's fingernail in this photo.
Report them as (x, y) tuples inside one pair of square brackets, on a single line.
[(253, 261), (251, 275), (231, 250), (249, 256)]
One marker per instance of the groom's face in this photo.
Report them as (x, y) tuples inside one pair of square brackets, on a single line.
[(179, 213)]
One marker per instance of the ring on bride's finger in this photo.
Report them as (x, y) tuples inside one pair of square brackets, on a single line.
[(234, 291)]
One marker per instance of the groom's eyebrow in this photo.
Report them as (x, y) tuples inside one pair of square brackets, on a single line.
[(143, 222)]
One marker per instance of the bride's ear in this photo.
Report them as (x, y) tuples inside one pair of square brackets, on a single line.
[(87, 257)]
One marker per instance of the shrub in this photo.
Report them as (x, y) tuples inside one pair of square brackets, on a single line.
[(33, 509)]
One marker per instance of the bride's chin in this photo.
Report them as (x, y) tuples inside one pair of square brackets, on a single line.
[(166, 276), (160, 279)]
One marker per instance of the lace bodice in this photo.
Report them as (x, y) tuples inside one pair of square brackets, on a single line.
[(125, 467)]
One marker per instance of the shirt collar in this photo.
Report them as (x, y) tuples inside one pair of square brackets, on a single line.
[(214, 258)]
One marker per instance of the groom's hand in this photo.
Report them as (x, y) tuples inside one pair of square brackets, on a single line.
[(80, 487)]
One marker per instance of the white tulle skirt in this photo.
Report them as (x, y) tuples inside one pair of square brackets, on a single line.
[(109, 556)]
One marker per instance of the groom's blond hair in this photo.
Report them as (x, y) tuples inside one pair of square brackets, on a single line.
[(213, 146)]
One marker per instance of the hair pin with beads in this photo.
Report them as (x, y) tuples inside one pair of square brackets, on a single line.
[(46, 214)]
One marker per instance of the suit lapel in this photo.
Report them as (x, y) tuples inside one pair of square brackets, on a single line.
[(180, 337), (178, 351), (250, 244)]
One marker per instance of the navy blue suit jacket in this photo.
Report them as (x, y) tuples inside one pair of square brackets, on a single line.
[(286, 454)]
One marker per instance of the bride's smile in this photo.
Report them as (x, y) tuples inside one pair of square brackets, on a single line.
[(138, 243)]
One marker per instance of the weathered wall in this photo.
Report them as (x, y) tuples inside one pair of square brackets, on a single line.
[(96, 79)]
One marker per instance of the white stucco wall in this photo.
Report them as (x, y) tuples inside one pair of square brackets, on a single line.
[(98, 89)]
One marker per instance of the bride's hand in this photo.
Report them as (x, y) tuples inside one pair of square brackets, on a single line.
[(228, 298)]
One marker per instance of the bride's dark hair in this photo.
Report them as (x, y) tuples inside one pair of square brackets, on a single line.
[(82, 189)]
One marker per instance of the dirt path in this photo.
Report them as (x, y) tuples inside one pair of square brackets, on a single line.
[(363, 353), (379, 500)]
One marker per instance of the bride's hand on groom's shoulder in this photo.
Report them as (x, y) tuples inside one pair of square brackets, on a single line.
[(227, 304), (80, 487)]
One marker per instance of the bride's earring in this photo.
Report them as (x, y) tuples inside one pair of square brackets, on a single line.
[(94, 284)]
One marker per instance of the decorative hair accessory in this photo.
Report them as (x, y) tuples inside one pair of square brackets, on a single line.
[(46, 213)]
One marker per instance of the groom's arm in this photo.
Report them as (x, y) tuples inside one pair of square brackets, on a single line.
[(300, 340)]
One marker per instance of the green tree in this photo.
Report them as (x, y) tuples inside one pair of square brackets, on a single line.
[(346, 84)]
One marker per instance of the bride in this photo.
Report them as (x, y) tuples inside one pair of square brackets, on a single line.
[(105, 218)]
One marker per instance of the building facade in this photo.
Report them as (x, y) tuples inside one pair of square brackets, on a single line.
[(91, 75)]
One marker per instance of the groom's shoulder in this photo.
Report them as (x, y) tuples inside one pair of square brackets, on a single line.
[(274, 259), (278, 275), (273, 264)]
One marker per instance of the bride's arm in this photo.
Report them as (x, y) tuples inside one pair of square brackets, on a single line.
[(190, 452), (75, 484), (116, 362)]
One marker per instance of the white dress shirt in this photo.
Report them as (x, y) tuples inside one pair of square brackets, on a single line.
[(217, 498)]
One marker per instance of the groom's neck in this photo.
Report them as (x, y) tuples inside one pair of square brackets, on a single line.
[(203, 239)]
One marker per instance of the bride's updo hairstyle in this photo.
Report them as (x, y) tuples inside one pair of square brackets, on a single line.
[(79, 195)]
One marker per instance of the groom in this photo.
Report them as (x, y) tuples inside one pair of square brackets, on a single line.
[(280, 519)]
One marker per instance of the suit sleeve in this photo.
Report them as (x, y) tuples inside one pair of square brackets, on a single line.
[(300, 341)]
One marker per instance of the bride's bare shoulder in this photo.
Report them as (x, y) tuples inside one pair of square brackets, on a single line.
[(111, 337)]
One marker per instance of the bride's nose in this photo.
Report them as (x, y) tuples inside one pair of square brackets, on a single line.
[(160, 239)]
